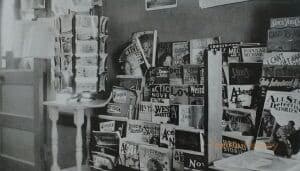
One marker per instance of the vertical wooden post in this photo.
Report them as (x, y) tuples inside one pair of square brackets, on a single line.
[(53, 114), (215, 107), (79, 120), (39, 74)]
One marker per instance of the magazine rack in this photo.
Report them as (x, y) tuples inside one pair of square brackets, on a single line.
[(211, 149), (80, 64), (79, 110)]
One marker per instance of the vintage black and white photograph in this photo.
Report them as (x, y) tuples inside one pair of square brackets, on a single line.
[(149, 85)]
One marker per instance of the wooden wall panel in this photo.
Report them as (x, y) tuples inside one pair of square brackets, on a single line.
[(17, 99), (18, 144)]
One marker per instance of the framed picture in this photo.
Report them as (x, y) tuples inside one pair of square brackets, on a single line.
[(159, 4)]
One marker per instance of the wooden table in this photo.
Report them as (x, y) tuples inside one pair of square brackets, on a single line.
[(79, 110)]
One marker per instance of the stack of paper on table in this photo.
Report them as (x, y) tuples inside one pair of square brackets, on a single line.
[(257, 161)]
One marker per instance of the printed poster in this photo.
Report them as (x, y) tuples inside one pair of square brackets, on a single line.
[(213, 3)]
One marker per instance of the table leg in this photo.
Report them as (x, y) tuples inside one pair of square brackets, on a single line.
[(79, 120), (53, 115), (88, 133)]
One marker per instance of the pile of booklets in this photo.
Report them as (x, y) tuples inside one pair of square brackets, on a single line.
[(158, 106), (279, 126), (278, 112), (86, 53), (81, 53)]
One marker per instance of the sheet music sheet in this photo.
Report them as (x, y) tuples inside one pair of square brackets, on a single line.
[(39, 40), (61, 7), (34, 38), (32, 4), (258, 161)]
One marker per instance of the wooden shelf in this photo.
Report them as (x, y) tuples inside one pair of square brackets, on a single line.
[(113, 118), (99, 103)]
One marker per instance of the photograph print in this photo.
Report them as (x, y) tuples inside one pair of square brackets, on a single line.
[(160, 4)]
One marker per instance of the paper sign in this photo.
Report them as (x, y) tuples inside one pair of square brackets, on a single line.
[(213, 3)]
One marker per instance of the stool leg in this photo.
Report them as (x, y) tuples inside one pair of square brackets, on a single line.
[(78, 120), (88, 133), (53, 115)]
